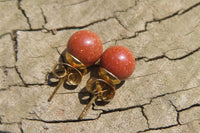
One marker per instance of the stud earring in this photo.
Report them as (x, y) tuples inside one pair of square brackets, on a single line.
[(116, 64), (84, 48)]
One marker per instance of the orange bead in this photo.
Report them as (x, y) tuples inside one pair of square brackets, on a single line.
[(86, 46), (119, 61)]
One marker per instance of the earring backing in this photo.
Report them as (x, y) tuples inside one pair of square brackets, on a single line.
[(71, 73), (84, 48), (116, 64)]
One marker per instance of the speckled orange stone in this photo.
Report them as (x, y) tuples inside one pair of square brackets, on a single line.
[(86, 46), (119, 61)]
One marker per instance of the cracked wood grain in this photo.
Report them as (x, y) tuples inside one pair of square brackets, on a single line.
[(146, 59), (5, 0), (45, 18), (159, 20), (81, 2), (158, 128), (24, 13)]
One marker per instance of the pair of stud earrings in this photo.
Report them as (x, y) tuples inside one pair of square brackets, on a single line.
[(84, 48)]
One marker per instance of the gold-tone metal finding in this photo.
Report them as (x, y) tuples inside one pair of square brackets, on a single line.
[(59, 70), (71, 72), (108, 76), (100, 89), (56, 89), (85, 110), (73, 61), (66, 73)]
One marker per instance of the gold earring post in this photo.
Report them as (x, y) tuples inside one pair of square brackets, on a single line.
[(85, 110), (56, 89)]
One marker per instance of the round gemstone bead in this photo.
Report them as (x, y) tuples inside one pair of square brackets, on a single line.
[(86, 46), (119, 61)]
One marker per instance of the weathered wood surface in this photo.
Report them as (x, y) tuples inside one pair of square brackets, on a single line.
[(162, 95)]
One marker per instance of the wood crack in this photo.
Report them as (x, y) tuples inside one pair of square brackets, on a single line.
[(146, 59), (160, 20), (24, 13)]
